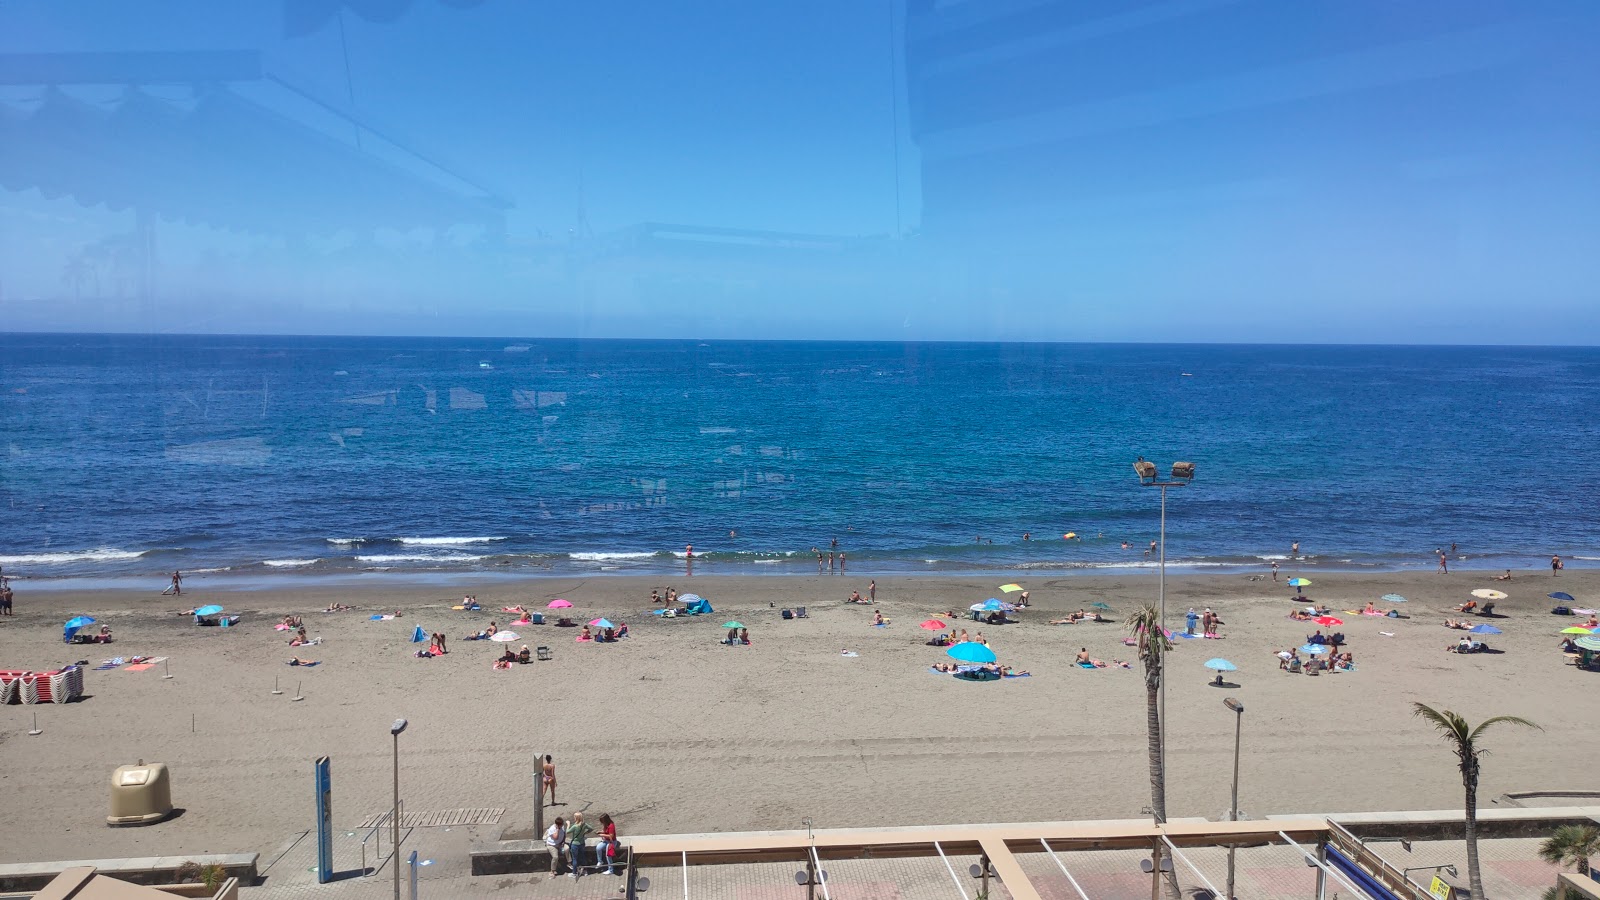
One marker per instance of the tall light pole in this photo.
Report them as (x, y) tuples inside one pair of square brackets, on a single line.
[(1182, 474), (1233, 810), (394, 815)]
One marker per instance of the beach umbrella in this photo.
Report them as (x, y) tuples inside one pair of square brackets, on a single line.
[(1588, 643), (1563, 596), (1299, 582), (1100, 604), (211, 610), (1011, 588), (993, 604), (504, 636), (1314, 649), (1488, 594), (724, 624), (969, 651), (1221, 665), (936, 625), (688, 598), (1484, 629), (558, 604), (1392, 598), (606, 623), (73, 625), (1576, 630), (1329, 621)]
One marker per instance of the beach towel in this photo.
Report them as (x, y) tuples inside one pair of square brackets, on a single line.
[(1084, 665), (380, 618), (880, 624), (281, 627), (1020, 675), (1178, 634), (849, 653), (139, 667), (109, 664)]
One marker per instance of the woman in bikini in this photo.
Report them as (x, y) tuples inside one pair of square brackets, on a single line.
[(547, 779)]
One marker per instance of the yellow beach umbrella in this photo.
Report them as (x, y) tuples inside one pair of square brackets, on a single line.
[(1010, 588)]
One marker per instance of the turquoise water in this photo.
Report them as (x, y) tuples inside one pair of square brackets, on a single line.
[(127, 456)]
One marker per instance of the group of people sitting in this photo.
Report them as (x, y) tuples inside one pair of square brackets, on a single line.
[(300, 639), (986, 668), (469, 603), (603, 635), (1289, 661), (1466, 645), (737, 636), (668, 599), (946, 640), (1079, 616), (522, 656), (485, 634), (855, 597)]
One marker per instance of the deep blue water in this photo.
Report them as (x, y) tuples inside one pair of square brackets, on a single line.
[(133, 455)]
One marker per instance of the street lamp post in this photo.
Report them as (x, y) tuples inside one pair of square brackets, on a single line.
[(394, 814), (1233, 810), (1182, 474)]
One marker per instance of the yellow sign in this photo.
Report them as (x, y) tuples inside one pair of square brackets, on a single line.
[(1441, 890)]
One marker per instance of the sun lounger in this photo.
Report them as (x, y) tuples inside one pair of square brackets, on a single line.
[(543, 652)]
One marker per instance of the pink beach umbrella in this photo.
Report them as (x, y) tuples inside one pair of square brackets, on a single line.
[(558, 604)]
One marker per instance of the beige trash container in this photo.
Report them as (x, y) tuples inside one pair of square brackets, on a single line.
[(140, 794)]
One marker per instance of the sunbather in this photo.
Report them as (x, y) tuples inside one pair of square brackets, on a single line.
[(1467, 607), (980, 639), (1505, 577), (1452, 623), (337, 607), (297, 661), (586, 634), (1069, 620)]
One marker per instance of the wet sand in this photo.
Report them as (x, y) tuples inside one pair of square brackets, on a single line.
[(671, 732)]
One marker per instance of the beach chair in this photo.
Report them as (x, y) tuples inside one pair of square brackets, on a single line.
[(800, 612), (1488, 609), (788, 614), (544, 653)]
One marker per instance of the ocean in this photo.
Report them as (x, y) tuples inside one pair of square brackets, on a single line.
[(274, 458)]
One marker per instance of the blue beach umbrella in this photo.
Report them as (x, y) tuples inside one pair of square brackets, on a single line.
[(1299, 582), (1563, 596), (606, 623), (1484, 629), (1392, 598), (210, 610), (992, 605), (970, 651), (73, 625), (1588, 643), (1221, 665), (1314, 649)]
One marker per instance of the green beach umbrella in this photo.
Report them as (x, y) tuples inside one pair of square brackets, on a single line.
[(1299, 582), (732, 624), (1588, 643), (1576, 630)]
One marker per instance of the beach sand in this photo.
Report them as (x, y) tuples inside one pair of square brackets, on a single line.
[(672, 732)]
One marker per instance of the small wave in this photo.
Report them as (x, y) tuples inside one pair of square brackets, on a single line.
[(596, 557), (210, 571), (346, 542), (70, 556), (447, 541), (288, 562), (1272, 556), (415, 557)]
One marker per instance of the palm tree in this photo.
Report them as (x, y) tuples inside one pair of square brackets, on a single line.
[(1571, 845), (1151, 642), (1463, 739)]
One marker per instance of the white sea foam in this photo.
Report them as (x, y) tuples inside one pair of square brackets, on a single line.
[(288, 563), (448, 541), (69, 556), (347, 542), (596, 557), (417, 557)]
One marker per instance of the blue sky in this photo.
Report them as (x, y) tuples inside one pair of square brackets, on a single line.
[(1209, 170)]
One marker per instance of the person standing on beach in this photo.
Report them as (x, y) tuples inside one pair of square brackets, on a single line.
[(1444, 564), (872, 591), (830, 562), (841, 563), (177, 583), (5, 597), (547, 779), (819, 562), (1555, 565), (1190, 618), (1274, 570)]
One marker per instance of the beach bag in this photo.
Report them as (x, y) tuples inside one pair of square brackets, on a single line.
[(788, 614)]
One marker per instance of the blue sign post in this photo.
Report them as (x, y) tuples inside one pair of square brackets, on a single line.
[(324, 779), (412, 861)]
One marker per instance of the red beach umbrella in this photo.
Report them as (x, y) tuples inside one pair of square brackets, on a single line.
[(933, 625), (1328, 621)]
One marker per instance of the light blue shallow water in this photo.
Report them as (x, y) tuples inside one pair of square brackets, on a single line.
[(128, 456)]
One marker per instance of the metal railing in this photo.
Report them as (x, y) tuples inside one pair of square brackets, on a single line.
[(1394, 879), (375, 835)]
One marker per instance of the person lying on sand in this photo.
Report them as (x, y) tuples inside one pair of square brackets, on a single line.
[(297, 661), (946, 667), (1468, 606), (1452, 623), (1301, 616), (1069, 620), (1505, 577), (337, 607)]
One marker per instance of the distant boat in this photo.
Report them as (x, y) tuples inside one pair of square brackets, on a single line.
[(484, 365), (1187, 374)]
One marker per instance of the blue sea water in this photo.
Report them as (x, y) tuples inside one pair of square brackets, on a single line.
[(128, 456)]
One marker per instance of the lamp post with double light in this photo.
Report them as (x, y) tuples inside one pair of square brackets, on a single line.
[(394, 814), (1233, 808), (1149, 476)]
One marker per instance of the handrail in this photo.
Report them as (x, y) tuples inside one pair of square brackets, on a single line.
[(1356, 849)]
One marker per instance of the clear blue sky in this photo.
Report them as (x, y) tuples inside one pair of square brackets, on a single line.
[(1208, 170)]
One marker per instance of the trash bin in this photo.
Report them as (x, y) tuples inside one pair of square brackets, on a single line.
[(141, 794)]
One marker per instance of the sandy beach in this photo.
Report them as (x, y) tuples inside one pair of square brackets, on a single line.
[(670, 731)]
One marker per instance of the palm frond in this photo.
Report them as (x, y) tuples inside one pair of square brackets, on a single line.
[(1493, 720)]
